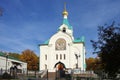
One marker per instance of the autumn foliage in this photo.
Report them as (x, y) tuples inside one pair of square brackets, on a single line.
[(93, 64), (31, 58)]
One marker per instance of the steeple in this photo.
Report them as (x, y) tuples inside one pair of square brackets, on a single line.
[(65, 18), (65, 13), (66, 27)]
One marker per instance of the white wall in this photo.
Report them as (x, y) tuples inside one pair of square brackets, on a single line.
[(71, 50), (9, 64)]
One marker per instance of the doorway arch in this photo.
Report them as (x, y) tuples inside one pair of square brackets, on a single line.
[(59, 66), (60, 69)]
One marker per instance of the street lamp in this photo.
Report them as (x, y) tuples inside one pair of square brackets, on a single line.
[(77, 56), (6, 55)]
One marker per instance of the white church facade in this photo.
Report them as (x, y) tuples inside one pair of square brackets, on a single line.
[(62, 50)]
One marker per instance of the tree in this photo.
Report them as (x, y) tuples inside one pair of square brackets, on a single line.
[(108, 48), (31, 59), (93, 64), (15, 55), (90, 63)]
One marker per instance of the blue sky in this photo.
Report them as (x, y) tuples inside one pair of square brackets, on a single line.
[(27, 23)]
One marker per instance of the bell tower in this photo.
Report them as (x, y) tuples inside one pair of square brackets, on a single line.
[(66, 27)]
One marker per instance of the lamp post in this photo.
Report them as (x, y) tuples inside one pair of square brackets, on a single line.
[(77, 56), (6, 61)]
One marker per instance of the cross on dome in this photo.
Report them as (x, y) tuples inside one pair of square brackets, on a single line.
[(65, 13)]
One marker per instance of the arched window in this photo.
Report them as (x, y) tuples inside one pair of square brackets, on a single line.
[(56, 56), (60, 56), (45, 66), (64, 29), (60, 44), (45, 57), (64, 56)]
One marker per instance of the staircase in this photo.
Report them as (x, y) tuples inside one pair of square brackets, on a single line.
[(48, 75), (52, 75)]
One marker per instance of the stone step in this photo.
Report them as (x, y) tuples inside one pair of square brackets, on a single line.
[(52, 75)]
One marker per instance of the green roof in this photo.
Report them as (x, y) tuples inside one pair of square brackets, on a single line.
[(10, 57), (46, 42), (65, 21), (79, 39), (2, 54)]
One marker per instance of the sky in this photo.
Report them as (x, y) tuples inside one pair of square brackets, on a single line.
[(27, 23)]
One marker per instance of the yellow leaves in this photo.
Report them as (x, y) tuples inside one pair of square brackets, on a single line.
[(31, 58), (93, 63)]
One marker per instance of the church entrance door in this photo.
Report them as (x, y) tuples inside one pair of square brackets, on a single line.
[(60, 69), (60, 66)]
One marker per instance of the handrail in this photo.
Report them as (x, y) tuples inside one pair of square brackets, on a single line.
[(43, 73)]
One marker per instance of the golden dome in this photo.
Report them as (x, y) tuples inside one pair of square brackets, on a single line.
[(65, 12)]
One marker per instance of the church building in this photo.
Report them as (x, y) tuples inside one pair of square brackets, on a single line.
[(62, 50), (8, 62)]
